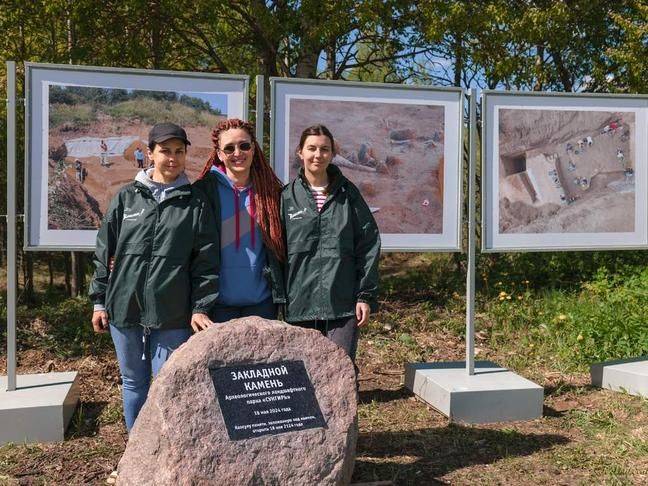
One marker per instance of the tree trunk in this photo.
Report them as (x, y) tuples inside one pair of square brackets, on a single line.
[(459, 62), (70, 32), (50, 269), (75, 274), (331, 65), (563, 73), (307, 65), (81, 274), (68, 272), (539, 68), (28, 277), (78, 273), (156, 34)]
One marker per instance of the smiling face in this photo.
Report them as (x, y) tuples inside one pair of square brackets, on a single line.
[(316, 154), (169, 158), (236, 151)]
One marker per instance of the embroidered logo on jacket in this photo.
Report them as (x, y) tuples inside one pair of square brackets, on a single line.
[(132, 216), (298, 215)]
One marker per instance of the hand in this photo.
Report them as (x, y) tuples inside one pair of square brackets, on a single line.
[(362, 313), (100, 321), (200, 322)]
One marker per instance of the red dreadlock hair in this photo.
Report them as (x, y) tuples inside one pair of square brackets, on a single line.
[(266, 185)]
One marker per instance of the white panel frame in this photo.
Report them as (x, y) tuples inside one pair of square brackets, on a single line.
[(284, 89), (38, 78), (492, 240)]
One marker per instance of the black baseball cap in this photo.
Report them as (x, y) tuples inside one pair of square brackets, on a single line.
[(166, 131)]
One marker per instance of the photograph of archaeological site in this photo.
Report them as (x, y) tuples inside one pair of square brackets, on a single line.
[(98, 142), (393, 152), (566, 171)]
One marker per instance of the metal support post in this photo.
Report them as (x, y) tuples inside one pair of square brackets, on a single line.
[(470, 278), (260, 109), (11, 225)]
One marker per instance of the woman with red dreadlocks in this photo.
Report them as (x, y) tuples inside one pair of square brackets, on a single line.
[(245, 193)]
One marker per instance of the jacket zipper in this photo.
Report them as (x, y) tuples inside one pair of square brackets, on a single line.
[(319, 251), (148, 263)]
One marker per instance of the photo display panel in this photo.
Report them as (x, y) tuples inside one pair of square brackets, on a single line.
[(400, 145), (87, 136), (564, 171)]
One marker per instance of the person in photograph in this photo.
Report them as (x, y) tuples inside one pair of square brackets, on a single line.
[(333, 246), (244, 193), (78, 167), (103, 155), (156, 266), (139, 157)]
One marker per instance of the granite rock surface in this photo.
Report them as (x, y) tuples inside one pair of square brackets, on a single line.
[(180, 435)]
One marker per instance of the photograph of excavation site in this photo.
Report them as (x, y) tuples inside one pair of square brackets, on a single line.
[(393, 152), (566, 171), (98, 141)]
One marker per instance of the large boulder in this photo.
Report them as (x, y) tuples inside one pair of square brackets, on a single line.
[(276, 435)]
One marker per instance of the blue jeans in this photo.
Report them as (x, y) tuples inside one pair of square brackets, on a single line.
[(223, 313), (135, 371)]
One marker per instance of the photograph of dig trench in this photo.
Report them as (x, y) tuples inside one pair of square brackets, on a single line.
[(564, 171), (98, 141)]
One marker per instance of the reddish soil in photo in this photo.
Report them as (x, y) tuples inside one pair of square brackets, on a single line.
[(392, 152), (566, 171)]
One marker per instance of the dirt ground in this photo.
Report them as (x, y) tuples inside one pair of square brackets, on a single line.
[(102, 183), (402, 440), (573, 178), (586, 435), (406, 143)]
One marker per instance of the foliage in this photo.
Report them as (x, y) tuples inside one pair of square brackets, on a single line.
[(100, 97), (75, 114), (604, 320), (152, 111), (60, 325), (591, 45)]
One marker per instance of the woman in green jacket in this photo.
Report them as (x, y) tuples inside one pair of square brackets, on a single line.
[(156, 265), (333, 245)]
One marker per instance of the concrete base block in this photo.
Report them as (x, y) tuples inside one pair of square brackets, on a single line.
[(492, 394), (626, 375), (40, 408)]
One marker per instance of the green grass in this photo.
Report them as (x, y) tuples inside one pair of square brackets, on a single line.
[(147, 110), (77, 115), (604, 319), (59, 324), (152, 111), (566, 328)]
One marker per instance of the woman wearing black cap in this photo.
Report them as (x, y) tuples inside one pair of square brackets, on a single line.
[(162, 236)]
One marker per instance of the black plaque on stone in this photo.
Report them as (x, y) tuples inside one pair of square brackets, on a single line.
[(266, 399)]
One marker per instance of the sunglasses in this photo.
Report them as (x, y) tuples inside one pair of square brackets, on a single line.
[(229, 149)]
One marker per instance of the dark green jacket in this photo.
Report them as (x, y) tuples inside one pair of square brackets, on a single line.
[(332, 254), (166, 258), (274, 269)]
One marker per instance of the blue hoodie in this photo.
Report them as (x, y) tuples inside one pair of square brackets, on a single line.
[(243, 254)]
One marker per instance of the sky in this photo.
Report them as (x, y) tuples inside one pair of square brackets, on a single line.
[(215, 100)]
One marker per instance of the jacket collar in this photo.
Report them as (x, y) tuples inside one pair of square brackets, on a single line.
[(184, 190), (335, 176)]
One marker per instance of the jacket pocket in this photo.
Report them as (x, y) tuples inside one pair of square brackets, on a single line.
[(170, 286), (339, 275)]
